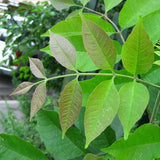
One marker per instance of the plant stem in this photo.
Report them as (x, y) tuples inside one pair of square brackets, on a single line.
[(100, 74), (156, 107)]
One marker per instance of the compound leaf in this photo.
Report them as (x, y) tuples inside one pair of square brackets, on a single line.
[(134, 98), (37, 68), (138, 51), (63, 51), (109, 4), (62, 4), (91, 156), (98, 45), (101, 109), (132, 9), (70, 104), (13, 147), (49, 128), (38, 99), (22, 88), (144, 143)]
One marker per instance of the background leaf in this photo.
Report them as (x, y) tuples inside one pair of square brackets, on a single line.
[(138, 51), (84, 2), (144, 143), (101, 109), (22, 88), (63, 51), (98, 45), (109, 4), (70, 104), (47, 50), (50, 132), (13, 147), (132, 9), (134, 98), (151, 23), (90, 156), (38, 99), (62, 4), (37, 68)]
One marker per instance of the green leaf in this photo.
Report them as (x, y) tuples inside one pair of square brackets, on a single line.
[(132, 9), (84, 2), (89, 85), (109, 4), (38, 99), (101, 109), (72, 26), (151, 23), (91, 156), (106, 138), (134, 98), (62, 4), (13, 147), (63, 51), (143, 144), (22, 88), (37, 68), (50, 132), (70, 104), (47, 50), (138, 51), (98, 45)]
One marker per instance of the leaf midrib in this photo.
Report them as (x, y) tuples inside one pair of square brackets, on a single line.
[(73, 67), (105, 57)]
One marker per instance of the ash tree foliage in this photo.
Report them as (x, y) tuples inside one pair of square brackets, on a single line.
[(87, 124)]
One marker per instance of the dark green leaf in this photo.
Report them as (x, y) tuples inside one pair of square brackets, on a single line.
[(70, 104), (50, 132), (134, 98), (14, 148), (90, 156), (101, 109), (98, 45), (143, 144), (138, 51)]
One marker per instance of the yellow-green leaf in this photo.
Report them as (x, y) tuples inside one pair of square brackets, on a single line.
[(63, 51), (84, 2), (157, 62), (138, 51), (38, 99), (98, 45), (37, 68), (70, 104), (22, 88), (134, 98), (101, 109)]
